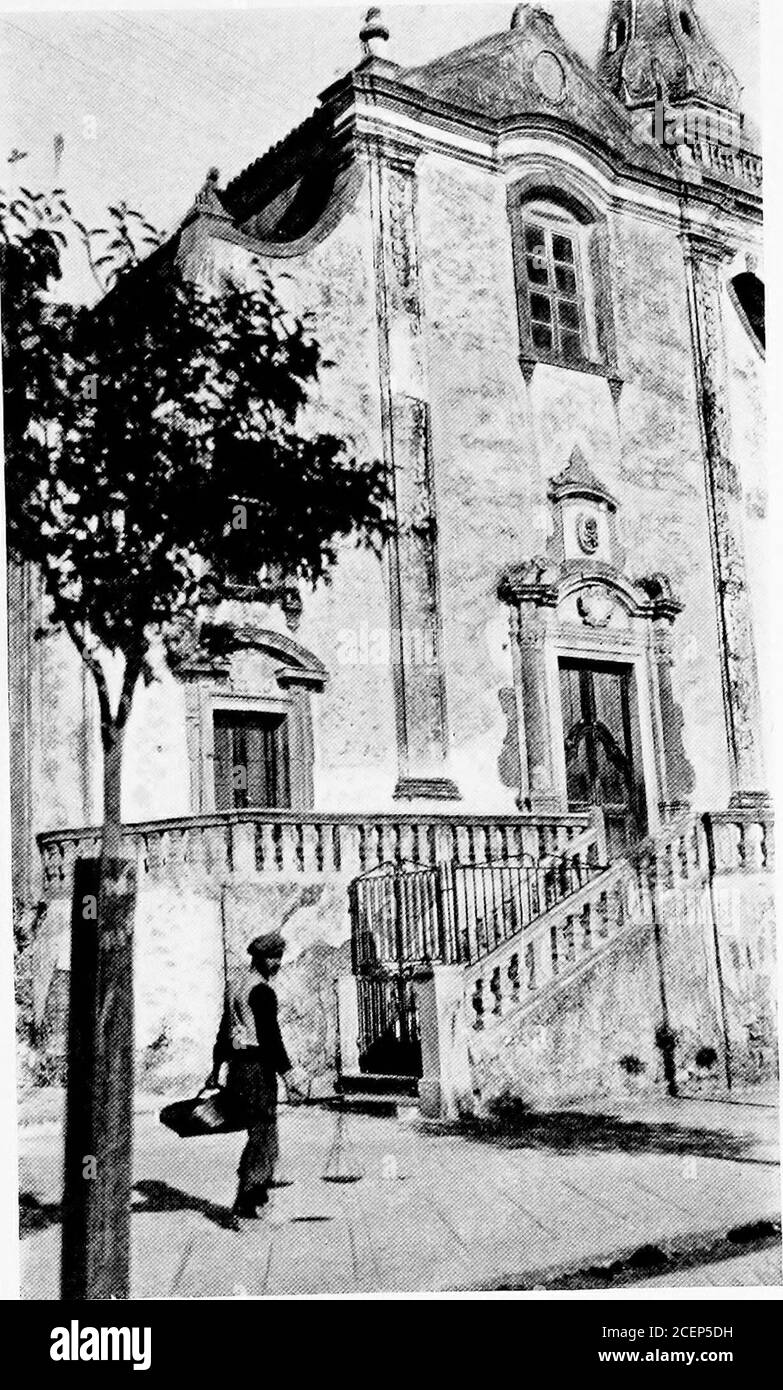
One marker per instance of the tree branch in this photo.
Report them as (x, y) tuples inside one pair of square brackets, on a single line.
[(93, 665), (133, 668)]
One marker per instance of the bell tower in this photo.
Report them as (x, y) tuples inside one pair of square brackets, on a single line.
[(657, 56)]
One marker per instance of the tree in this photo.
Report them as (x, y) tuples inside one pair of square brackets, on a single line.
[(155, 441)]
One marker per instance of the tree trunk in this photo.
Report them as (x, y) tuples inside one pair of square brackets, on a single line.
[(99, 1128), (113, 739)]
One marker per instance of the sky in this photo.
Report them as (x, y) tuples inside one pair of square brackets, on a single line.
[(148, 100)]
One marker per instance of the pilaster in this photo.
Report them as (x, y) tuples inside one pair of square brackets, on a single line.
[(414, 583), (739, 670)]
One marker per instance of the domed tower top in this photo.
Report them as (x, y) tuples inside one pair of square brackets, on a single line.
[(658, 50)]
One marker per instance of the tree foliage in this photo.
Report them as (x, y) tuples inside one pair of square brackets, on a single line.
[(155, 442)]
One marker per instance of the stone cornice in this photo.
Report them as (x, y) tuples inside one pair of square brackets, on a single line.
[(540, 583)]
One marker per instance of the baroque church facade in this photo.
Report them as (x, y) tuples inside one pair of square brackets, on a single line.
[(540, 282)]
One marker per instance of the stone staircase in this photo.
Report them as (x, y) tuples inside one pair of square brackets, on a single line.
[(556, 945), (586, 986), (374, 1093)]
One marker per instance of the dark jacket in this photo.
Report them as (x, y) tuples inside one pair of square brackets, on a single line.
[(253, 1071), (271, 1051)]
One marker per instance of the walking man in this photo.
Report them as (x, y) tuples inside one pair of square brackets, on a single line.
[(251, 1042)]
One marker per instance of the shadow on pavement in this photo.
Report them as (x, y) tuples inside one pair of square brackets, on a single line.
[(694, 1251), (566, 1132), (156, 1196), (160, 1196), (35, 1215)]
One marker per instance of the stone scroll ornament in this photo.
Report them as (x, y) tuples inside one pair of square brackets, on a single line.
[(724, 496)]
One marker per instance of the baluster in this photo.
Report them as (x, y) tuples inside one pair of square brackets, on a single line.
[(197, 853), (553, 949), (336, 836), (693, 846), (569, 943), (615, 919), (768, 845), (264, 848), (384, 853), (513, 977), (755, 845), (496, 990), (587, 929), (244, 849), (432, 845), (319, 848), (477, 1002), (682, 851), (277, 846), (602, 927), (531, 982), (312, 842)]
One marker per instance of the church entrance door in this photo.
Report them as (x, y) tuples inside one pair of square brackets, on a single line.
[(602, 747)]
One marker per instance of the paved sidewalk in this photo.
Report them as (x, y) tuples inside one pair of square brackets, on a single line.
[(762, 1269), (436, 1209)]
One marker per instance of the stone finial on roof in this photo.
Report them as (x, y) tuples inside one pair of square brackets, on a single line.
[(208, 199), (374, 34)]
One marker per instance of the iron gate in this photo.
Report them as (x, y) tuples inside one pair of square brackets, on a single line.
[(404, 917)]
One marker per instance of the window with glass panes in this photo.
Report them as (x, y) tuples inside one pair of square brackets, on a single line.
[(554, 292), (251, 760)]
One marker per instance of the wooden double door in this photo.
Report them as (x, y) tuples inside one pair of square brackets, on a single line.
[(602, 747)]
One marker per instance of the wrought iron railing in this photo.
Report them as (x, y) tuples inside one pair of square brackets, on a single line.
[(452, 913)]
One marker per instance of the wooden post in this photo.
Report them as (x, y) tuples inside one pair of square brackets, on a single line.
[(99, 1114)]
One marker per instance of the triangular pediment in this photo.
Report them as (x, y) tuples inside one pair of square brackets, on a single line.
[(578, 480)]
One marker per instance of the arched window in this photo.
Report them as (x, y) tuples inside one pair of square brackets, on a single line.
[(555, 282), (617, 36), (561, 261), (747, 295)]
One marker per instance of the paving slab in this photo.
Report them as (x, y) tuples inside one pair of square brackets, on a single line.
[(436, 1208)]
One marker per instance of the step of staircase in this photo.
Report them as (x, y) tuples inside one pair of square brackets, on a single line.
[(380, 1094), (378, 1083)]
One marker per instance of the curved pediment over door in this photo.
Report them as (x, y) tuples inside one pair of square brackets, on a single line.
[(249, 721)]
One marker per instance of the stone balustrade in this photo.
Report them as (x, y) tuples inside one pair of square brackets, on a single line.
[(739, 164), (264, 845), (740, 841), (682, 861)]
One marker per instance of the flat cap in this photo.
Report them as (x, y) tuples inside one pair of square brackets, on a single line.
[(271, 943)]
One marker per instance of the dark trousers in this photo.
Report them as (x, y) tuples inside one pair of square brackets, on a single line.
[(254, 1090)]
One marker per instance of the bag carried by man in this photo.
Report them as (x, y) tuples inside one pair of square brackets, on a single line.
[(213, 1111)]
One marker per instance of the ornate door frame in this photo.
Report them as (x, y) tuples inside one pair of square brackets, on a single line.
[(577, 603)]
